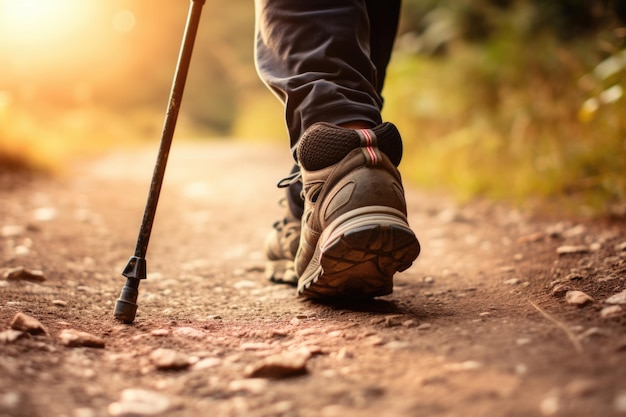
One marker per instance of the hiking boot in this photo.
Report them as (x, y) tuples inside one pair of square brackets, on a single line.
[(281, 246), (355, 235), (282, 242)]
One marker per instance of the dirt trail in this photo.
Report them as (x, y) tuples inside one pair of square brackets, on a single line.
[(480, 325)]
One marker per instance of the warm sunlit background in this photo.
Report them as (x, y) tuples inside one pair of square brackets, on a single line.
[(514, 99)]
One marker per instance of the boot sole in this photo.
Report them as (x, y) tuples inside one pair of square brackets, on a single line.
[(358, 254)]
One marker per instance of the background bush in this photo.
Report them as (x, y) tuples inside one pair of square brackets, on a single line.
[(520, 100)]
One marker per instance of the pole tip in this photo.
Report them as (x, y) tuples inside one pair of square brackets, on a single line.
[(125, 311), (126, 305)]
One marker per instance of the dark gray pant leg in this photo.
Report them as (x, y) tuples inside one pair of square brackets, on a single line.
[(325, 59)]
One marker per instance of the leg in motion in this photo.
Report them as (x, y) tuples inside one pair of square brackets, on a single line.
[(326, 60)]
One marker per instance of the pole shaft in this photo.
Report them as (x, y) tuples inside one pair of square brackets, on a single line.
[(180, 77)]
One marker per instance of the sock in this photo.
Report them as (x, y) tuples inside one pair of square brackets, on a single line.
[(325, 144)]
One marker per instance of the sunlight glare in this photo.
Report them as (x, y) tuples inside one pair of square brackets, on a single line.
[(38, 22), (124, 21)]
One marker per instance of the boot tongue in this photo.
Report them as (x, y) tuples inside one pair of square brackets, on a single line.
[(324, 144)]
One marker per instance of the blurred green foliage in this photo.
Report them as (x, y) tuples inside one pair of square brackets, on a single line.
[(521, 100), (517, 100)]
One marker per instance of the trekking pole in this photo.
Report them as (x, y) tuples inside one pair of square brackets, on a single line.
[(135, 270)]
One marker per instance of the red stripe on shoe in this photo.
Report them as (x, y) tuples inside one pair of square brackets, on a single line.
[(369, 147)]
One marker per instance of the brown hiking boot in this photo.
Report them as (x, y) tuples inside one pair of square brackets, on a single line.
[(355, 235), (281, 246)]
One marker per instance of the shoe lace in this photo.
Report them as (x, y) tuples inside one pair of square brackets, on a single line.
[(289, 180)]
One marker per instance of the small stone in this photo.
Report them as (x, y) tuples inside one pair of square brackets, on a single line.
[(160, 332), (394, 320), (619, 298), (560, 290), (374, 341), (27, 324), (611, 312), (11, 230), (251, 385), (550, 405), (574, 277), (139, 402), (44, 214), (428, 280), (84, 412), (620, 247), (577, 298), (580, 388), (512, 281), (190, 332), (169, 359), (424, 326), (409, 323), (593, 332), (206, 363), (620, 402), (76, 338), (463, 366), (59, 303), (10, 336), (10, 401), (255, 346), (572, 250), (279, 366), (22, 274), (397, 345)]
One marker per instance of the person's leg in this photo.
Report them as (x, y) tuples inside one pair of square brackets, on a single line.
[(325, 59)]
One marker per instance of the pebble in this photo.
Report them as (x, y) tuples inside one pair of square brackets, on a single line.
[(21, 250), (572, 250), (279, 366), (620, 402), (409, 323), (581, 388), (28, 324), (620, 247), (512, 281), (251, 385), (139, 402), (44, 214), (463, 366), (190, 332), (394, 320), (255, 346), (550, 405), (76, 338), (577, 298), (619, 298), (560, 290), (574, 277), (10, 336), (424, 326), (11, 230), (206, 363), (611, 312), (593, 332), (23, 274), (84, 412), (169, 359), (10, 401), (59, 303)]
